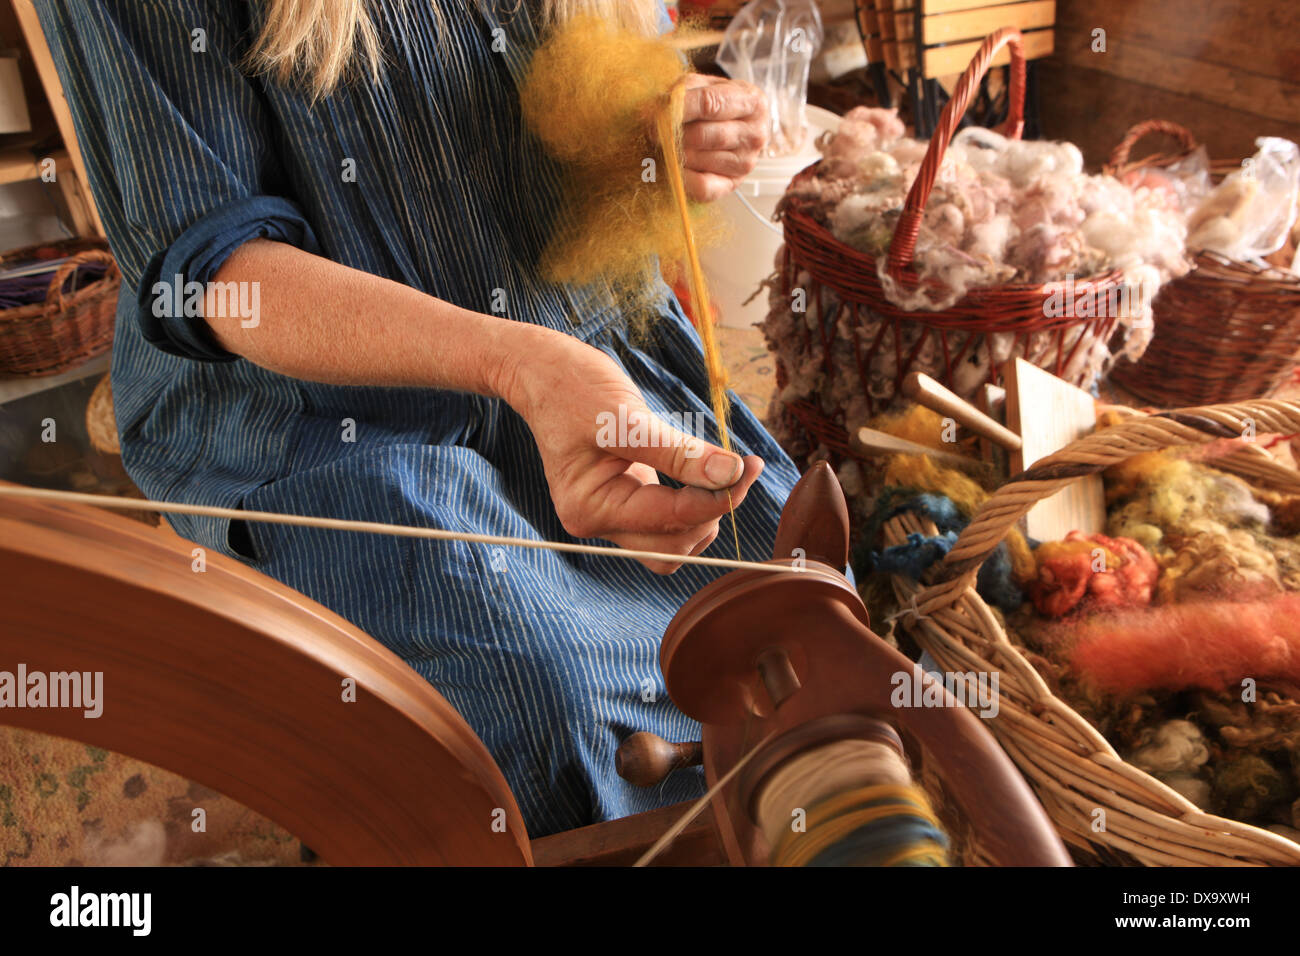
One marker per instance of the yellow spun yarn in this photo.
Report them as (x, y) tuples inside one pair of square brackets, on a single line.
[(670, 131), (609, 106), (670, 127), (916, 423)]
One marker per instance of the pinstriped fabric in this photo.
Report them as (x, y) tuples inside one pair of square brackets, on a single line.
[(551, 658)]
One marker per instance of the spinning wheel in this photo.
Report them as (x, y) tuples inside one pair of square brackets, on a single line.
[(791, 657), (239, 683)]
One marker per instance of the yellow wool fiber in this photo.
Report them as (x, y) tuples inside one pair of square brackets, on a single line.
[(1055, 550), (920, 472), (594, 96), (1206, 529), (915, 423)]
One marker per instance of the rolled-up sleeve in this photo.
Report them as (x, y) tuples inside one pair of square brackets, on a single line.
[(179, 147)]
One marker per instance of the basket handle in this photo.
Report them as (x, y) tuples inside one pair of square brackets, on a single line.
[(1091, 455), (54, 297), (903, 246), (1119, 155)]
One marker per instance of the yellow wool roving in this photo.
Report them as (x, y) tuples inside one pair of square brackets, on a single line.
[(595, 95)]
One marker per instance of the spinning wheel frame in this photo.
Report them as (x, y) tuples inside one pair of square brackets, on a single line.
[(236, 681)]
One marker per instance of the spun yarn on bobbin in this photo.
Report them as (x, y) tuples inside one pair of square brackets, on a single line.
[(857, 805)]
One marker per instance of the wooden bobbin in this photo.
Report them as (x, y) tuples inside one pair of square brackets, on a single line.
[(801, 740), (755, 655)]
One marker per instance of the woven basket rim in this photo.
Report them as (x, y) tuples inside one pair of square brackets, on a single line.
[(1119, 163), (110, 281)]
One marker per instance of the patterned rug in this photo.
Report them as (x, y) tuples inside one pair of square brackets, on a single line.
[(67, 804), (749, 366)]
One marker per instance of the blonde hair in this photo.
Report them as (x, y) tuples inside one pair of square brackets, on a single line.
[(321, 42)]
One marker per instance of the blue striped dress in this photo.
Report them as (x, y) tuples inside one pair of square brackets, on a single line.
[(551, 658)]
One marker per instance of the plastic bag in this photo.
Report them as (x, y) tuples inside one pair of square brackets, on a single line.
[(771, 43), (1249, 215), (1185, 182)]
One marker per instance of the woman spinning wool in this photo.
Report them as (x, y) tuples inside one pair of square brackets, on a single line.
[(358, 177)]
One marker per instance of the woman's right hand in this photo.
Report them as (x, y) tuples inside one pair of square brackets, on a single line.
[(565, 389)]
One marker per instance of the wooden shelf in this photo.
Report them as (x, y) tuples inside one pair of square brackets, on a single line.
[(18, 164), (15, 387)]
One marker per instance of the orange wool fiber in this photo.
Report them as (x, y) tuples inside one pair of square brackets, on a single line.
[(1211, 645), (1095, 571), (592, 95)]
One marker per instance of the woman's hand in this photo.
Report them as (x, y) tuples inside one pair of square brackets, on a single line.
[(724, 129), (603, 484)]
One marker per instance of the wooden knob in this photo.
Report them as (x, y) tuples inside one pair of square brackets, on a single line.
[(644, 759), (924, 390), (815, 520)]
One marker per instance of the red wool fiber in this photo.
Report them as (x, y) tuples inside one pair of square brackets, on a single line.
[(1208, 644)]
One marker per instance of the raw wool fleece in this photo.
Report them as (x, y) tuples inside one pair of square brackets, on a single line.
[(920, 473), (1092, 572), (592, 95), (1206, 529)]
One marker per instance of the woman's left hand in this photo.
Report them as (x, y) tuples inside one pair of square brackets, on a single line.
[(724, 129)]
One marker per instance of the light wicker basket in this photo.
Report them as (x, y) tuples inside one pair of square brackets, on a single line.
[(1069, 764)]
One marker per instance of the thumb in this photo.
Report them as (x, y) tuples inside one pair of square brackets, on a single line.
[(652, 441)]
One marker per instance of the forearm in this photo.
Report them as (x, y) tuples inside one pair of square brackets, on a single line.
[(325, 322)]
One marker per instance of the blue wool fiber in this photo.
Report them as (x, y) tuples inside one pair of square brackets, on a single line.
[(993, 582)]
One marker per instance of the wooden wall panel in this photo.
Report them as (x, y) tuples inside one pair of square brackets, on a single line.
[(1229, 70)]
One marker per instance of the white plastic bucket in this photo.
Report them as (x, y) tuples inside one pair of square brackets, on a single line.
[(735, 267)]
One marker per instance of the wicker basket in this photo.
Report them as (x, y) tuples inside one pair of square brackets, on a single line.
[(953, 335), (1071, 767), (70, 326), (1225, 332)]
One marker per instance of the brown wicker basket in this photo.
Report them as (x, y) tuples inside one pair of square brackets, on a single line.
[(1225, 332), (1071, 767), (70, 326), (953, 335)]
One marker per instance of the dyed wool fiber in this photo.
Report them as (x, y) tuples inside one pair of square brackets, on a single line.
[(593, 96), (1211, 645), (1095, 571)]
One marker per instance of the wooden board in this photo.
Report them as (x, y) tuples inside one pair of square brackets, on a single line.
[(85, 215), (1226, 85), (979, 23), (929, 7), (942, 61), (1228, 72), (1049, 413)]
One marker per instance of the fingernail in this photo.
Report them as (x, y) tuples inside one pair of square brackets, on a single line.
[(723, 469)]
